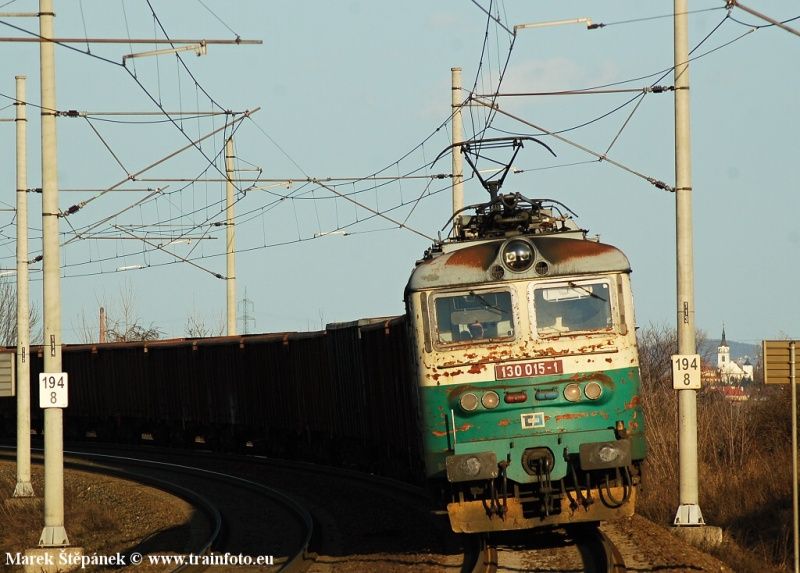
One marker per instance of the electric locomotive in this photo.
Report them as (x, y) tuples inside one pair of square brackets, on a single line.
[(523, 340)]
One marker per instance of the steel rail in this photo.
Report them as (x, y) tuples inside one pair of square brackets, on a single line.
[(486, 560), (295, 563), (599, 552), (298, 562), (615, 563), (195, 499)]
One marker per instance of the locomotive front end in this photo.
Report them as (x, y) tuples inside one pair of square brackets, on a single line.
[(526, 359)]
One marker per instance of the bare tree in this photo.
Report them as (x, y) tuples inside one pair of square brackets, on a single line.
[(123, 324), (8, 316), (196, 326), (657, 343)]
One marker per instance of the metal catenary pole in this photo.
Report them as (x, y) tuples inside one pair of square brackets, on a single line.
[(230, 280), (54, 534), (689, 510), (458, 137), (24, 488)]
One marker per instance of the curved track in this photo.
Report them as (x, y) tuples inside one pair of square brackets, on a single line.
[(584, 548), (322, 519), (235, 508)]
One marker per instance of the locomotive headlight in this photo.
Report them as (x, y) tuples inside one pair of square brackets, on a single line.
[(469, 402), (572, 392), (608, 453), (518, 255), (605, 455), (593, 390), (471, 466), (490, 400)]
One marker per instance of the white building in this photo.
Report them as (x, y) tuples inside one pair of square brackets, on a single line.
[(730, 371)]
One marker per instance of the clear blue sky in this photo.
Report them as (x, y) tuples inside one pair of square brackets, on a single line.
[(355, 89)]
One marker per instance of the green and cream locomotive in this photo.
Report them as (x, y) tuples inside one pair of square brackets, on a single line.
[(524, 344)]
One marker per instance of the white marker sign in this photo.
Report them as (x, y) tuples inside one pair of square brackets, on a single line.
[(53, 390), (686, 371)]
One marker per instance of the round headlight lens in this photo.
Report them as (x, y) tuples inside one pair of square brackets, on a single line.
[(518, 255), (572, 392), (593, 390), (471, 466), (490, 400), (608, 453), (469, 402)]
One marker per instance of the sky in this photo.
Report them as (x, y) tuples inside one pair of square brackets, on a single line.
[(356, 97)]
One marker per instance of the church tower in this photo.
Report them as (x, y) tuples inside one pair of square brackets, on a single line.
[(723, 357)]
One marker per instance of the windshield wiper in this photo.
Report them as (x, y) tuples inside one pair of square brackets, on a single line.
[(487, 303), (586, 290)]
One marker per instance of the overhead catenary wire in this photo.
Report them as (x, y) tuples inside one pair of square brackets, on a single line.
[(64, 42), (371, 210), (651, 18), (247, 249), (322, 198), (132, 177), (220, 20), (657, 183), (492, 17), (588, 91), (73, 209), (731, 4)]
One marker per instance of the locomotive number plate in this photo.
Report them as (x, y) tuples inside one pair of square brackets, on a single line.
[(525, 369)]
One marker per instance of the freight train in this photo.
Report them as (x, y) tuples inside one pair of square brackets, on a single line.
[(510, 386), (317, 396)]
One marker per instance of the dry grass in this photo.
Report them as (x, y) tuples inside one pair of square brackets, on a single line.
[(21, 519), (101, 514), (745, 466)]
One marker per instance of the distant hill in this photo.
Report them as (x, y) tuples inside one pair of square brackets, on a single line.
[(738, 349)]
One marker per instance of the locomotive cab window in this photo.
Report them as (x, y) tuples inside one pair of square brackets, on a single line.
[(580, 306), (473, 316)]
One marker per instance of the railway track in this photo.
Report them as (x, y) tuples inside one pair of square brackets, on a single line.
[(234, 507), (360, 522), (584, 548)]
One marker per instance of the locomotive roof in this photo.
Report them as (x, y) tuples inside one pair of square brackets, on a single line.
[(475, 263)]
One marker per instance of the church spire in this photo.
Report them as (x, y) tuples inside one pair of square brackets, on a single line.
[(724, 342)]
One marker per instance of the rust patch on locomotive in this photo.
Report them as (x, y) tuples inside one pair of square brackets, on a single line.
[(504, 422), (580, 415), (575, 416), (634, 403), (477, 368), (447, 373), (479, 256), (563, 251), (461, 428), (456, 391)]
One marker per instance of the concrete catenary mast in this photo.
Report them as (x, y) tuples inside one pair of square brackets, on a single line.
[(24, 488)]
